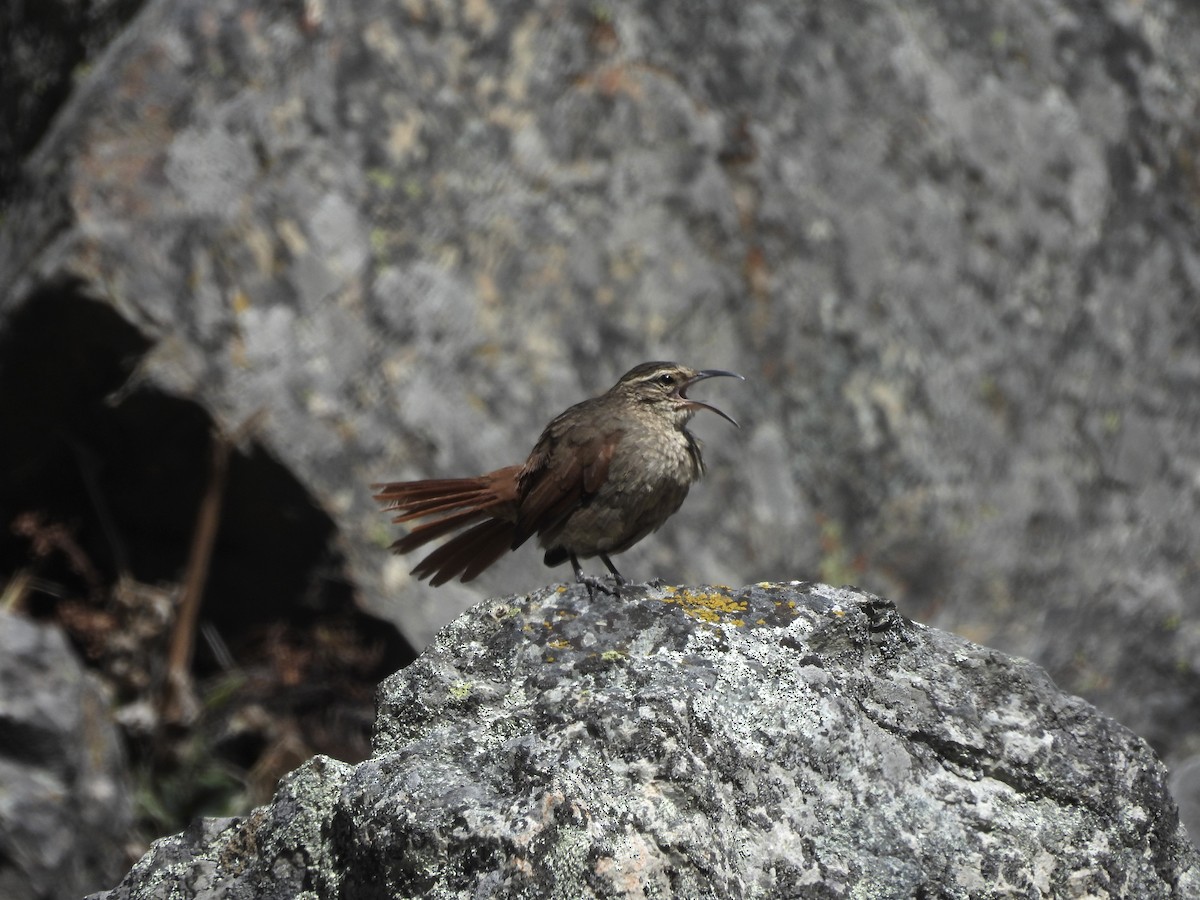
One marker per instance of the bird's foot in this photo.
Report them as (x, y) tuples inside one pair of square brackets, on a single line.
[(620, 579), (593, 584)]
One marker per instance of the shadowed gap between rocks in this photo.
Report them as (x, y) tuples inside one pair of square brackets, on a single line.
[(100, 481)]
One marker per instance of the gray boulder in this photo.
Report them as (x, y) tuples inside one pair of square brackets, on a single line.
[(773, 741), (65, 794)]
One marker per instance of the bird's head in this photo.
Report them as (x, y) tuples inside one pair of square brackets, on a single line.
[(664, 386)]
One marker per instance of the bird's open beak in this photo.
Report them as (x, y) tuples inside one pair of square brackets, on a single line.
[(697, 404)]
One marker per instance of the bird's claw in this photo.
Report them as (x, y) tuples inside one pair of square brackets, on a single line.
[(593, 584)]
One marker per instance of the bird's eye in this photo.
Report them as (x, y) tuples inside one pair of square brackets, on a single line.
[(666, 379)]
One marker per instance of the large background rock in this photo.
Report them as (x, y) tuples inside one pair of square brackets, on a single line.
[(769, 742), (954, 247)]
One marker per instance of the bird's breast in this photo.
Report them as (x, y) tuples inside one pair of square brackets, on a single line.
[(653, 463), (647, 481)]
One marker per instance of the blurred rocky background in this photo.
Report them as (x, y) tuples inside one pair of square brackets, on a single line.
[(955, 248)]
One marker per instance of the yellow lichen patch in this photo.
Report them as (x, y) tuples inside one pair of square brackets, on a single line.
[(709, 606), (558, 644)]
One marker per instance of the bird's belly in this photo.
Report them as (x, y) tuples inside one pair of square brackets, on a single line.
[(638, 495)]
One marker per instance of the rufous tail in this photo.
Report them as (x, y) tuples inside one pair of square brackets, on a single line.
[(487, 503)]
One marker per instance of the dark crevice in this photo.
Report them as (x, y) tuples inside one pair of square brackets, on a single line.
[(100, 484), (124, 477), (979, 762)]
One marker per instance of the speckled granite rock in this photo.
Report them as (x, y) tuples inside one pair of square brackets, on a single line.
[(773, 741)]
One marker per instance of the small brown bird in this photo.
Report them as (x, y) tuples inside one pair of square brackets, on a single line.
[(603, 475)]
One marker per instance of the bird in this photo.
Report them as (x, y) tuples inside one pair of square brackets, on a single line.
[(604, 474)]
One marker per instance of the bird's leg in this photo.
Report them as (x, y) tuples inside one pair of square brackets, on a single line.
[(620, 579), (590, 581)]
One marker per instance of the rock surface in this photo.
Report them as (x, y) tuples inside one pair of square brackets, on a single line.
[(773, 741), (65, 793)]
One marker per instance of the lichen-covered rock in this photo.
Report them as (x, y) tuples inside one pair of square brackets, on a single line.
[(773, 741)]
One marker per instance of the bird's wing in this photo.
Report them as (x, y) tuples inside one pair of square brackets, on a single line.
[(562, 474)]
